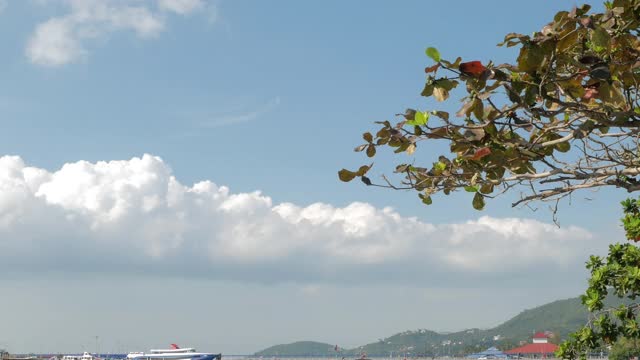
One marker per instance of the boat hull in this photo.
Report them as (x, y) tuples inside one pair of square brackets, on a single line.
[(176, 356)]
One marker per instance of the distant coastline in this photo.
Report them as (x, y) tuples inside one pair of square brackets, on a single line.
[(560, 318)]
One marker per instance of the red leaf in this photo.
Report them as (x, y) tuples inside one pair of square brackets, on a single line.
[(587, 22), (472, 68), (432, 68), (590, 91), (480, 153)]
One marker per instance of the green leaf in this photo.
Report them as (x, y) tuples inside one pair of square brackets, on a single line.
[(530, 58), (471, 188), (440, 166), (445, 83), (433, 53), (428, 90), (600, 39), (563, 146), (346, 175), (420, 119), (478, 201), (426, 199)]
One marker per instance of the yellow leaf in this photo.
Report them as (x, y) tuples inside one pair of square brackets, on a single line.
[(411, 149), (441, 94)]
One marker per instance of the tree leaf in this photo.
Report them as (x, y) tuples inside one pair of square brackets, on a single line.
[(530, 58), (432, 68), (600, 39), (478, 109), (360, 148), (480, 153), (411, 149), (564, 146), (567, 40), (420, 119), (440, 93), (472, 68), (470, 188), (486, 188), (441, 114), (478, 201), (433, 53), (428, 90), (371, 150), (445, 83), (474, 134), (440, 166), (346, 175), (466, 109), (363, 170), (426, 199)]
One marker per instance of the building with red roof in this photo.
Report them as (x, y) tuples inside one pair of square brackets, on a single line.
[(540, 338), (540, 348)]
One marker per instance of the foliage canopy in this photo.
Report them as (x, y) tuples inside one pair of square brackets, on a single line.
[(624, 349), (565, 116)]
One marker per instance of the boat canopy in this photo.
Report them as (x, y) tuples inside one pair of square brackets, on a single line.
[(491, 352)]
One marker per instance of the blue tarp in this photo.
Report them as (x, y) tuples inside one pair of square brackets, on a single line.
[(491, 352)]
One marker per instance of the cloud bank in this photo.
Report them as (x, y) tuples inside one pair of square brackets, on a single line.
[(135, 216), (60, 40)]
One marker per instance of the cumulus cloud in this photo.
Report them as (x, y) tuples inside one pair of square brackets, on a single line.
[(60, 40), (134, 215)]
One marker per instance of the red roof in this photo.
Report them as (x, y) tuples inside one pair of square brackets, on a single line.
[(540, 335), (541, 348)]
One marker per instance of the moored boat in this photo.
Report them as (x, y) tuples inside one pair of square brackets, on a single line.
[(84, 356), (174, 353)]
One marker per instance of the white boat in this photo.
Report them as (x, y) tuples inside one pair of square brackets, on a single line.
[(84, 356), (175, 353)]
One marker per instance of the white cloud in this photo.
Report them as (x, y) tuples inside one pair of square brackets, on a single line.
[(60, 40), (53, 43), (134, 215), (181, 7)]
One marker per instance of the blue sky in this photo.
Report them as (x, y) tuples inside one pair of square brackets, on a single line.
[(251, 96)]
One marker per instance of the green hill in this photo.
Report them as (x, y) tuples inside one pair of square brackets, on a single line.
[(300, 348), (560, 317)]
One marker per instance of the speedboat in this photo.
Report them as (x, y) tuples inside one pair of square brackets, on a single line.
[(175, 353)]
